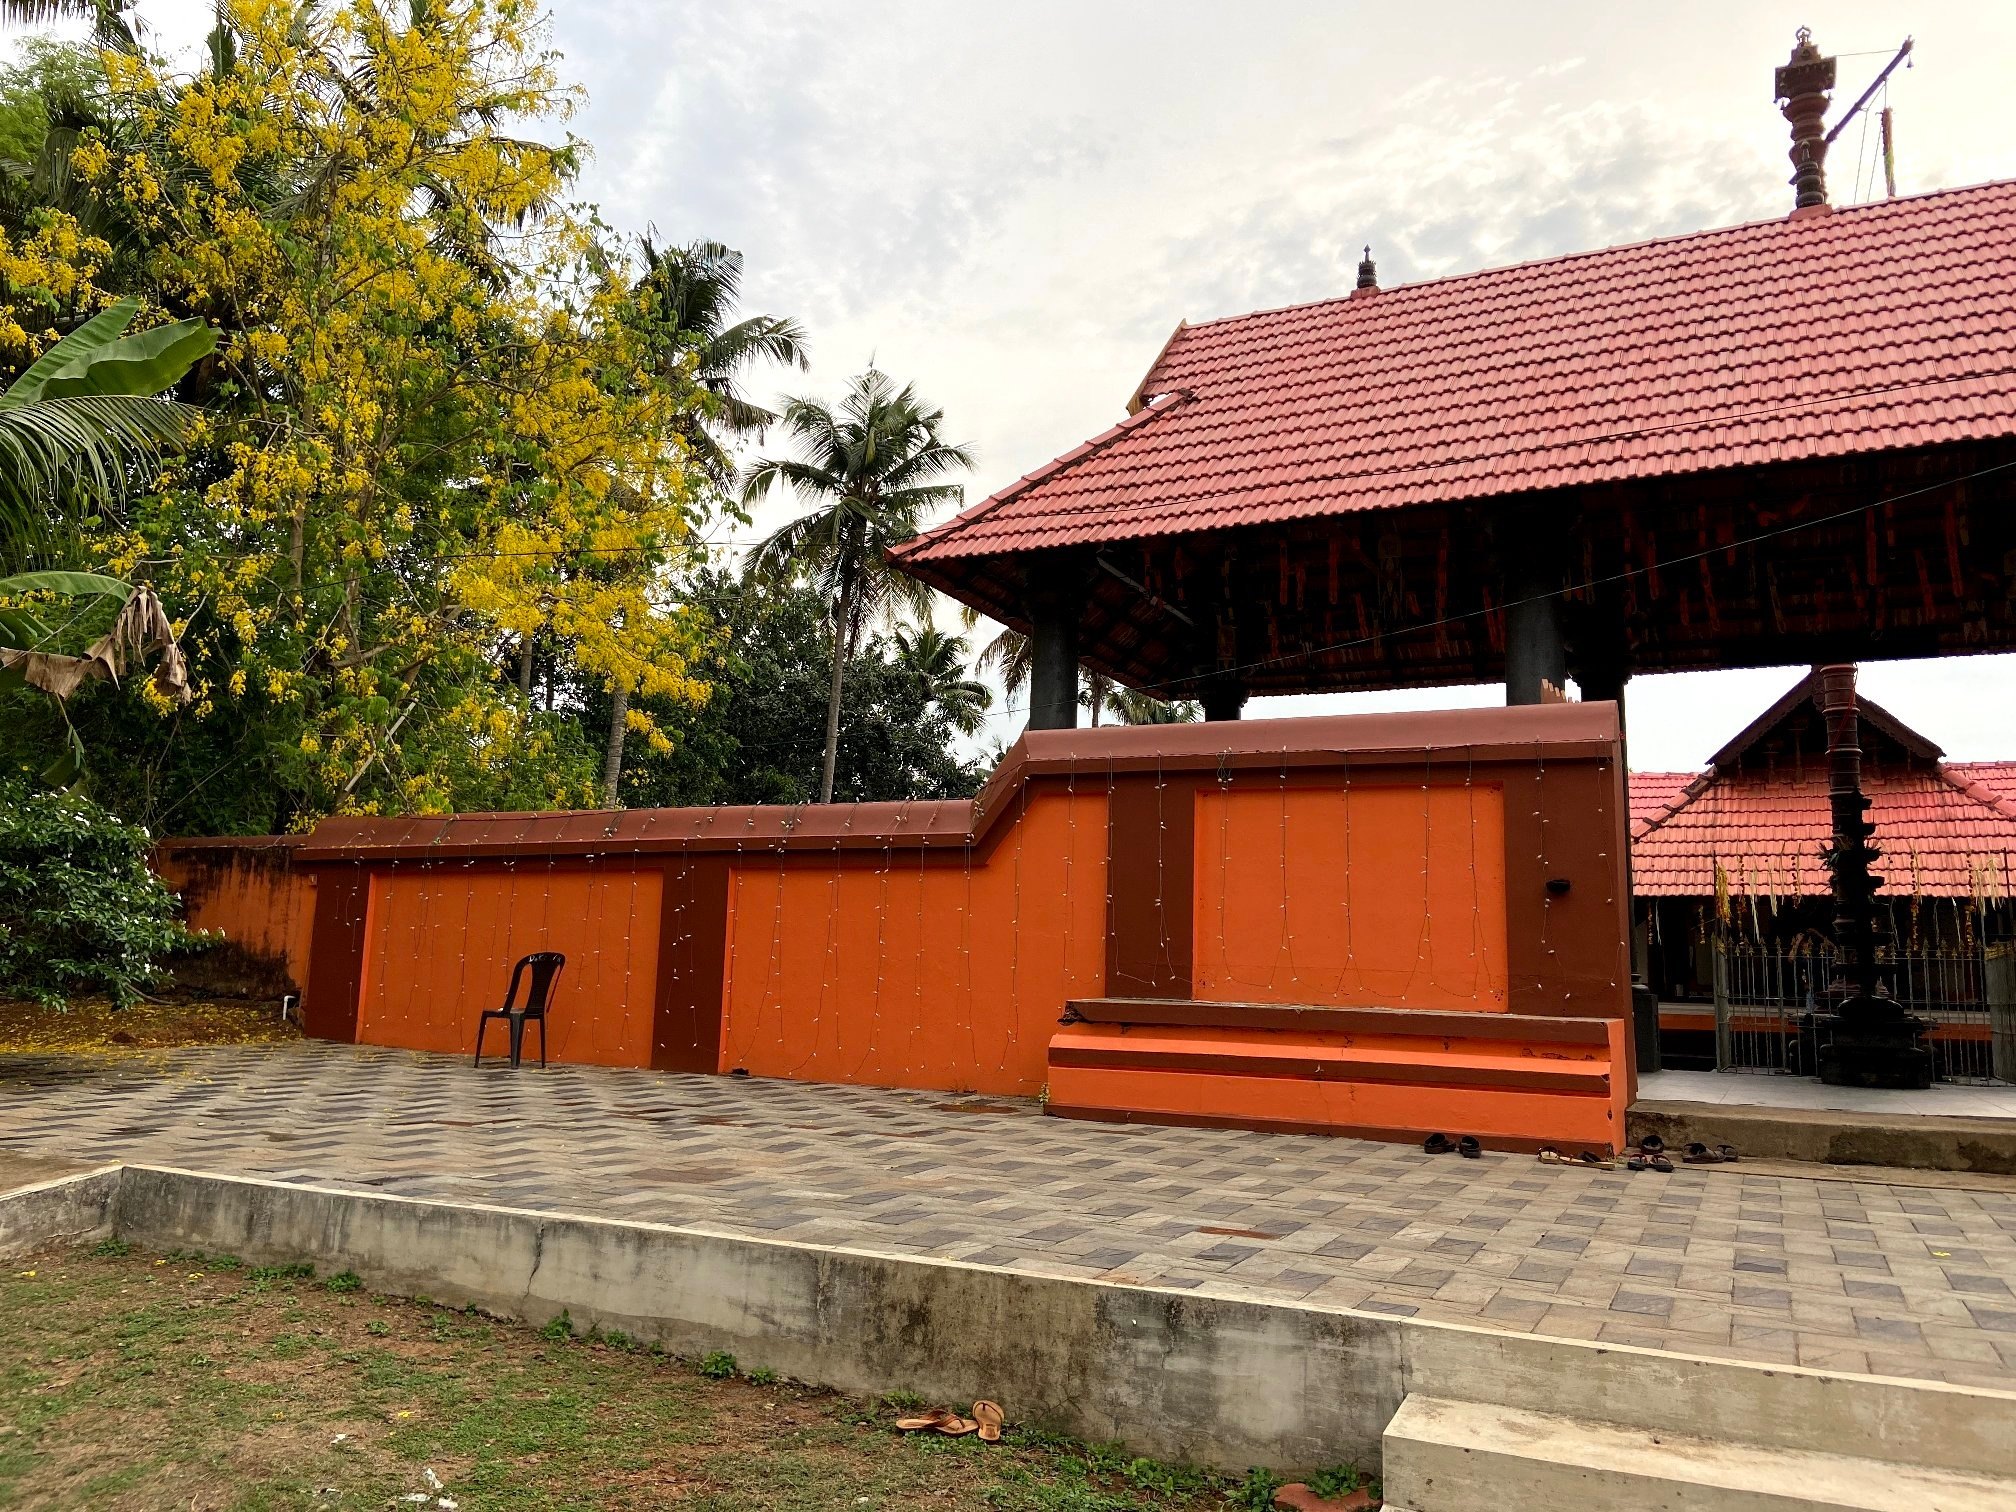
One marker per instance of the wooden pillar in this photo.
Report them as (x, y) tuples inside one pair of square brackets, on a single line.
[(1222, 699), (1056, 597), (1536, 652)]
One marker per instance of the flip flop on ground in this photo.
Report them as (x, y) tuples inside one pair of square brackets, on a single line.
[(990, 1417)]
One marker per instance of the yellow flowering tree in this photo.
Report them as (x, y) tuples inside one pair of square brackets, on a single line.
[(439, 422)]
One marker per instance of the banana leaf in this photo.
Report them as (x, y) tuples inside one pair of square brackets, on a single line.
[(98, 359)]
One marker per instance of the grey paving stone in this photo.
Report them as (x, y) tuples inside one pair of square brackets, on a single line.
[(1721, 1261)]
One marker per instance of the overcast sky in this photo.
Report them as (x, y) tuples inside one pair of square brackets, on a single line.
[(1012, 205)]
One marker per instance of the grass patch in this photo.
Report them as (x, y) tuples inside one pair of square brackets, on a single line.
[(135, 1382), (92, 1026)]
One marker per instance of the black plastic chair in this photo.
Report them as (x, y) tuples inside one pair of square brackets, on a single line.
[(545, 966)]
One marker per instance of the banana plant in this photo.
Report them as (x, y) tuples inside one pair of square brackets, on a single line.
[(72, 427)]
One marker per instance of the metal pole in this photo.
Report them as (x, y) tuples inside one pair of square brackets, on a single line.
[(1875, 1043), (1725, 1030)]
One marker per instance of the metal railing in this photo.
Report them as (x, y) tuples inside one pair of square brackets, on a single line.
[(1766, 993)]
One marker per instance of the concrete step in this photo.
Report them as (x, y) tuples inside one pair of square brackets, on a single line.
[(1913, 1141), (1449, 1456)]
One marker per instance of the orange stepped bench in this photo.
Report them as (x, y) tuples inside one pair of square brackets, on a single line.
[(1515, 1081)]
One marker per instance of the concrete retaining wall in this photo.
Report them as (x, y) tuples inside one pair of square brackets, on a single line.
[(1212, 1380), (68, 1210)]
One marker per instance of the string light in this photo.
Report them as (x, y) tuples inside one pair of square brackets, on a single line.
[(991, 936)]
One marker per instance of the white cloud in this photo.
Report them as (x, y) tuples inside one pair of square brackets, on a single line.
[(1012, 205)]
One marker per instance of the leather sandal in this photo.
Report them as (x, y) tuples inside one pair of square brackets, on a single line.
[(990, 1418)]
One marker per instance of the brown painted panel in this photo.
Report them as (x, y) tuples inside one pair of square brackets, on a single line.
[(1148, 872), (336, 958), (1523, 1076), (1332, 1020), (692, 956), (1569, 949)]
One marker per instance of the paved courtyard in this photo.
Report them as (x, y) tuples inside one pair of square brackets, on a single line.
[(1884, 1278)]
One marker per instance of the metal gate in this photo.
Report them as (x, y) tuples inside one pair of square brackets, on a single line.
[(1767, 992)]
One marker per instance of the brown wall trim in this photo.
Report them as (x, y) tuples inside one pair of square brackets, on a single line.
[(1150, 861), (336, 954), (1522, 1076), (1550, 733), (1438, 1023), (1569, 951), (692, 956)]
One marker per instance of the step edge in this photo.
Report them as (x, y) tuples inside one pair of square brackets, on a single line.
[(1784, 1469)]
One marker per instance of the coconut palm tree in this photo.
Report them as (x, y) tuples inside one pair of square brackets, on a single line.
[(938, 662), (1007, 656), (113, 23), (695, 289), (1134, 708), (872, 469)]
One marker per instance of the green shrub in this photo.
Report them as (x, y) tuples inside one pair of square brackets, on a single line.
[(80, 911), (1338, 1480), (1256, 1492), (345, 1281), (293, 1270), (717, 1365)]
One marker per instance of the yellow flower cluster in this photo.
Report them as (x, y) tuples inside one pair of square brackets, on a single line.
[(439, 428)]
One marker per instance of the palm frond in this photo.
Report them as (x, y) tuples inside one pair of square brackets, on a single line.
[(773, 337), (59, 453)]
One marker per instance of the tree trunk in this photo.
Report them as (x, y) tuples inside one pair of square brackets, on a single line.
[(525, 667), (841, 619), (612, 756)]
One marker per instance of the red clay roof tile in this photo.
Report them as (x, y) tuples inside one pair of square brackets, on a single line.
[(1944, 832), (1878, 326)]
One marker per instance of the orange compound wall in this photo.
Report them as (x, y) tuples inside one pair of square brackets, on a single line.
[(439, 942), (904, 969), (1355, 894), (1201, 877), (249, 892)]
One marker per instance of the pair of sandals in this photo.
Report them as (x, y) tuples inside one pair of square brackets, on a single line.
[(1651, 1156), (1441, 1144), (1698, 1153), (986, 1422), (1589, 1160)]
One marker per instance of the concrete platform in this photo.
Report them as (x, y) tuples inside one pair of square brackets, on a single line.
[(1760, 1090), (1881, 1279), (1945, 1128), (1219, 1381)]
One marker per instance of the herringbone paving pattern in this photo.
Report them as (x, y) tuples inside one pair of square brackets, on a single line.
[(1898, 1280)]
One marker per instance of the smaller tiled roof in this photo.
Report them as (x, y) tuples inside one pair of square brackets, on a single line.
[(1943, 833), (1652, 793), (1998, 777), (1760, 813)]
